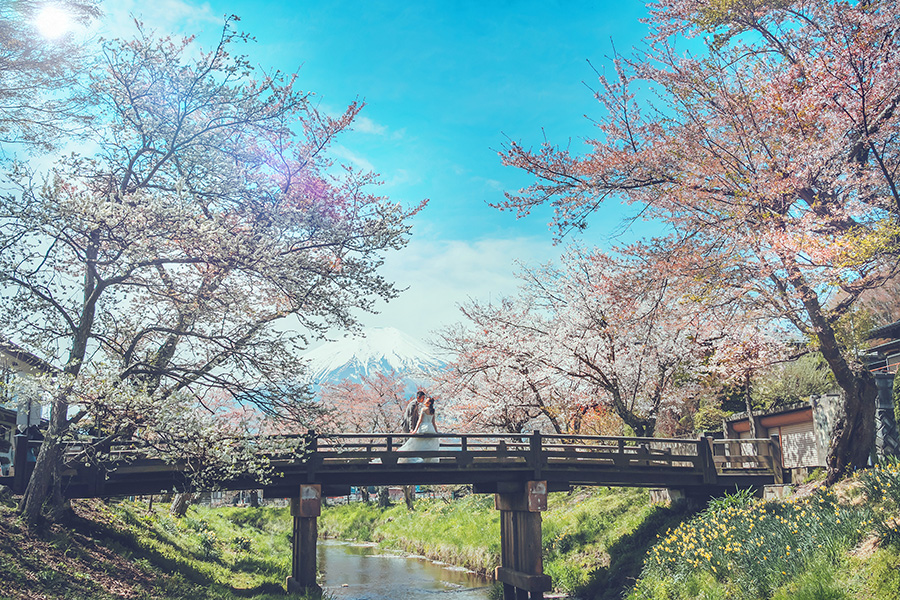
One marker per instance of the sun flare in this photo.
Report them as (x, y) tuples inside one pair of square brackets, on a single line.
[(53, 22)]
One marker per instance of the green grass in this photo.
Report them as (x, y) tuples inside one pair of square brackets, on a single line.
[(580, 528), (125, 550), (245, 551), (465, 532), (818, 547), (594, 539)]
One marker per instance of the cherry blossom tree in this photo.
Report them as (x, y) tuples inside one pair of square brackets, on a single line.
[(765, 134), (498, 381), (883, 303), (745, 349), (374, 405), (198, 246), (41, 97), (592, 335)]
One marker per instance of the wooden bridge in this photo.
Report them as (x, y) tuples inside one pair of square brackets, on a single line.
[(519, 469)]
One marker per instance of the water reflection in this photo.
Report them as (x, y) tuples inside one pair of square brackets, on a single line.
[(358, 572)]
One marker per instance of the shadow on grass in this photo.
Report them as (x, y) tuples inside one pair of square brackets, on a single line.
[(252, 564), (269, 589), (128, 541), (628, 553)]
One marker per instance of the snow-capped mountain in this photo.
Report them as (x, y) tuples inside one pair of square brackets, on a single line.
[(379, 349)]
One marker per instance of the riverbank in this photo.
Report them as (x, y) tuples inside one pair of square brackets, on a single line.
[(841, 543), (126, 550), (594, 539)]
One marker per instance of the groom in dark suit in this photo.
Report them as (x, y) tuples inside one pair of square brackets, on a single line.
[(411, 414)]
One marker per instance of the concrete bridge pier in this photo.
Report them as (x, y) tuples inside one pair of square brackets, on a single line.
[(305, 510), (521, 569)]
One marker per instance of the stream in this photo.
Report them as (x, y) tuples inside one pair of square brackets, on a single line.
[(364, 572)]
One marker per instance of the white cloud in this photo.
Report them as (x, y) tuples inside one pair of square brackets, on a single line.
[(491, 184), (164, 16), (442, 274), (402, 177), (354, 158), (367, 125)]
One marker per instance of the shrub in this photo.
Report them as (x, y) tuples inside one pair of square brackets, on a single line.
[(240, 543), (756, 548), (881, 484), (209, 543), (739, 499)]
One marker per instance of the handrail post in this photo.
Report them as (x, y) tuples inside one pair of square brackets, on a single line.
[(536, 453), (463, 458), (312, 450), (775, 456), (707, 462)]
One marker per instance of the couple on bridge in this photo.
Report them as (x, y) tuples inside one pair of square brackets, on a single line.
[(418, 419)]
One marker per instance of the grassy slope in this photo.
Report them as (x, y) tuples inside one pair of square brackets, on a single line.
[(594, 539), (125, 551), (826, 546), (596, 543)]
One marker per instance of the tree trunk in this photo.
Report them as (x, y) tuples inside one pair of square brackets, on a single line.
[(384, 498), (853, 433), (754, 433), (180, 504), (409, 496), (48, 467), (45, 471)]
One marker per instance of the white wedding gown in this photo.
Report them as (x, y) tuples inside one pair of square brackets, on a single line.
[(425, 441)]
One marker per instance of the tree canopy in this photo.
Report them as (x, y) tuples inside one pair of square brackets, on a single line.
[(765, 136), (41, 96), (196, 247)]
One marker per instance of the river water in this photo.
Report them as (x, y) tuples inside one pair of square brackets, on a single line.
[(359, 572)]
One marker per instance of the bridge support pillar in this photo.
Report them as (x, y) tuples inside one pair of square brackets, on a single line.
[(521, 569), (305, 510)]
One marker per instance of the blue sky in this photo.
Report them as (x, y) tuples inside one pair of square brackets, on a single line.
[(445, 84)]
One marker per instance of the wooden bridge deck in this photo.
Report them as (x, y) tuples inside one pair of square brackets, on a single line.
[(492, 463)]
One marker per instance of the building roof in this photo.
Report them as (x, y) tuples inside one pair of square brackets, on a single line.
[(7, 416), (17, 354), (889, 331), (784, 408)]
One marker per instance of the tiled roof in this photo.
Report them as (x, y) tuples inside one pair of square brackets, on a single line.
[(18, 353), (891, 330)]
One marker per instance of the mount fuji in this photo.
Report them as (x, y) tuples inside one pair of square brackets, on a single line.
[(378, 349)]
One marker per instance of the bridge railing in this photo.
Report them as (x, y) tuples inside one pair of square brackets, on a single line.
[(534, 451), (749, 455), (383, 448), (539, 450)]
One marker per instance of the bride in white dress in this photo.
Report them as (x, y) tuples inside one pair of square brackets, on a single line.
[(427, 439)]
